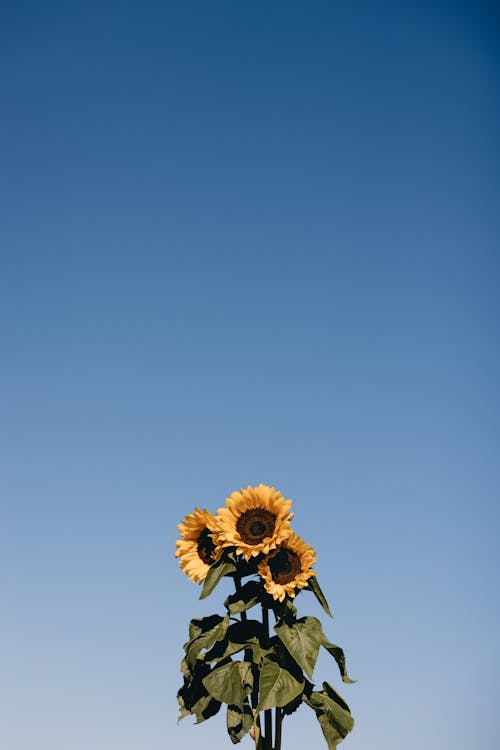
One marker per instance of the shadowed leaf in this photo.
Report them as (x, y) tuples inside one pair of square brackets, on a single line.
[(332, 713), (214, 575), (316, 589), (246, 597), (277, 687), (201, 625), (338, 655), (241, 635), (332, 693), (230, 683), (302, 640), (193, 697), (206, 640), (204, 708), (239, 721)]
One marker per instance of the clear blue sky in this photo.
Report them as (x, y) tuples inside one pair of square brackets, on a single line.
[(248, 242)]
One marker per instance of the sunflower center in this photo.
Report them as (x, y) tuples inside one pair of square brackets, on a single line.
[(284, 566), (206, 547), (255, 525)]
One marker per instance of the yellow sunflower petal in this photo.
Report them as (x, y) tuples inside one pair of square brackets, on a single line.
[(255, 520), (287, 569), (196, 549)]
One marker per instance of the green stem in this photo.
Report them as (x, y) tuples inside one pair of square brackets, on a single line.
[(278, 722), (237, 585), (254, 698), (268, 714)]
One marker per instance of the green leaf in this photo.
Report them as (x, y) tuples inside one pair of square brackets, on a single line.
[(214, 575), (206, 640), (277, 687), (332, 713), (291, 707), (332, 693), (316, 589), (302, 640), (222, 649), (183, 711), (239, 721), (246, 597), (283, 610), (185, 668), (291, 611), (252, 634), (193, 697), (202, 624), (259, 653), (230, 683), (246, 635), (204, 708), (339, 656)]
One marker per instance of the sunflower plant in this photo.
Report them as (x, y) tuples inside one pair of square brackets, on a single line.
[(261, 675)]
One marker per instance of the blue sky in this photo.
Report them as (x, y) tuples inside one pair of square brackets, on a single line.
[(244, 243)]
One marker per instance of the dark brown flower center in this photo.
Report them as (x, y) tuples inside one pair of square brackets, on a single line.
[(206, 547), (255, 525), (284, 566)]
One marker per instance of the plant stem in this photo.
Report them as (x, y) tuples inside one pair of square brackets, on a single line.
[(237, 585), (278, 722), (268, 714), (254, 698), (265, 621)]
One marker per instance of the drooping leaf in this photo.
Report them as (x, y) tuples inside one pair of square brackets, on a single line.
[(246, 597), (183, 711), (192, 688), (291, 707), (230, 648), (242, 631), (193, 697), (316, 589), (302, 640), (205, 708), (335, 719), (230, 683), (258, 651), (222, 649), (206, 639), (248, 635), (332, 693), (216, 572), (290, 612), (252, 634), (202, 624), (277, 687), (239, 721), (339, 656), (185, 668)]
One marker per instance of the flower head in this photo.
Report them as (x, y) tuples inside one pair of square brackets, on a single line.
[(254, 521), (196, 550), (287, 569)]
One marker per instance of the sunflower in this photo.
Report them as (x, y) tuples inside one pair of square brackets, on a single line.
[(196, 549), (287, 569), (254, 520)]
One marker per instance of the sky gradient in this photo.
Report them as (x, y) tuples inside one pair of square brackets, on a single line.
[(243, 243)]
